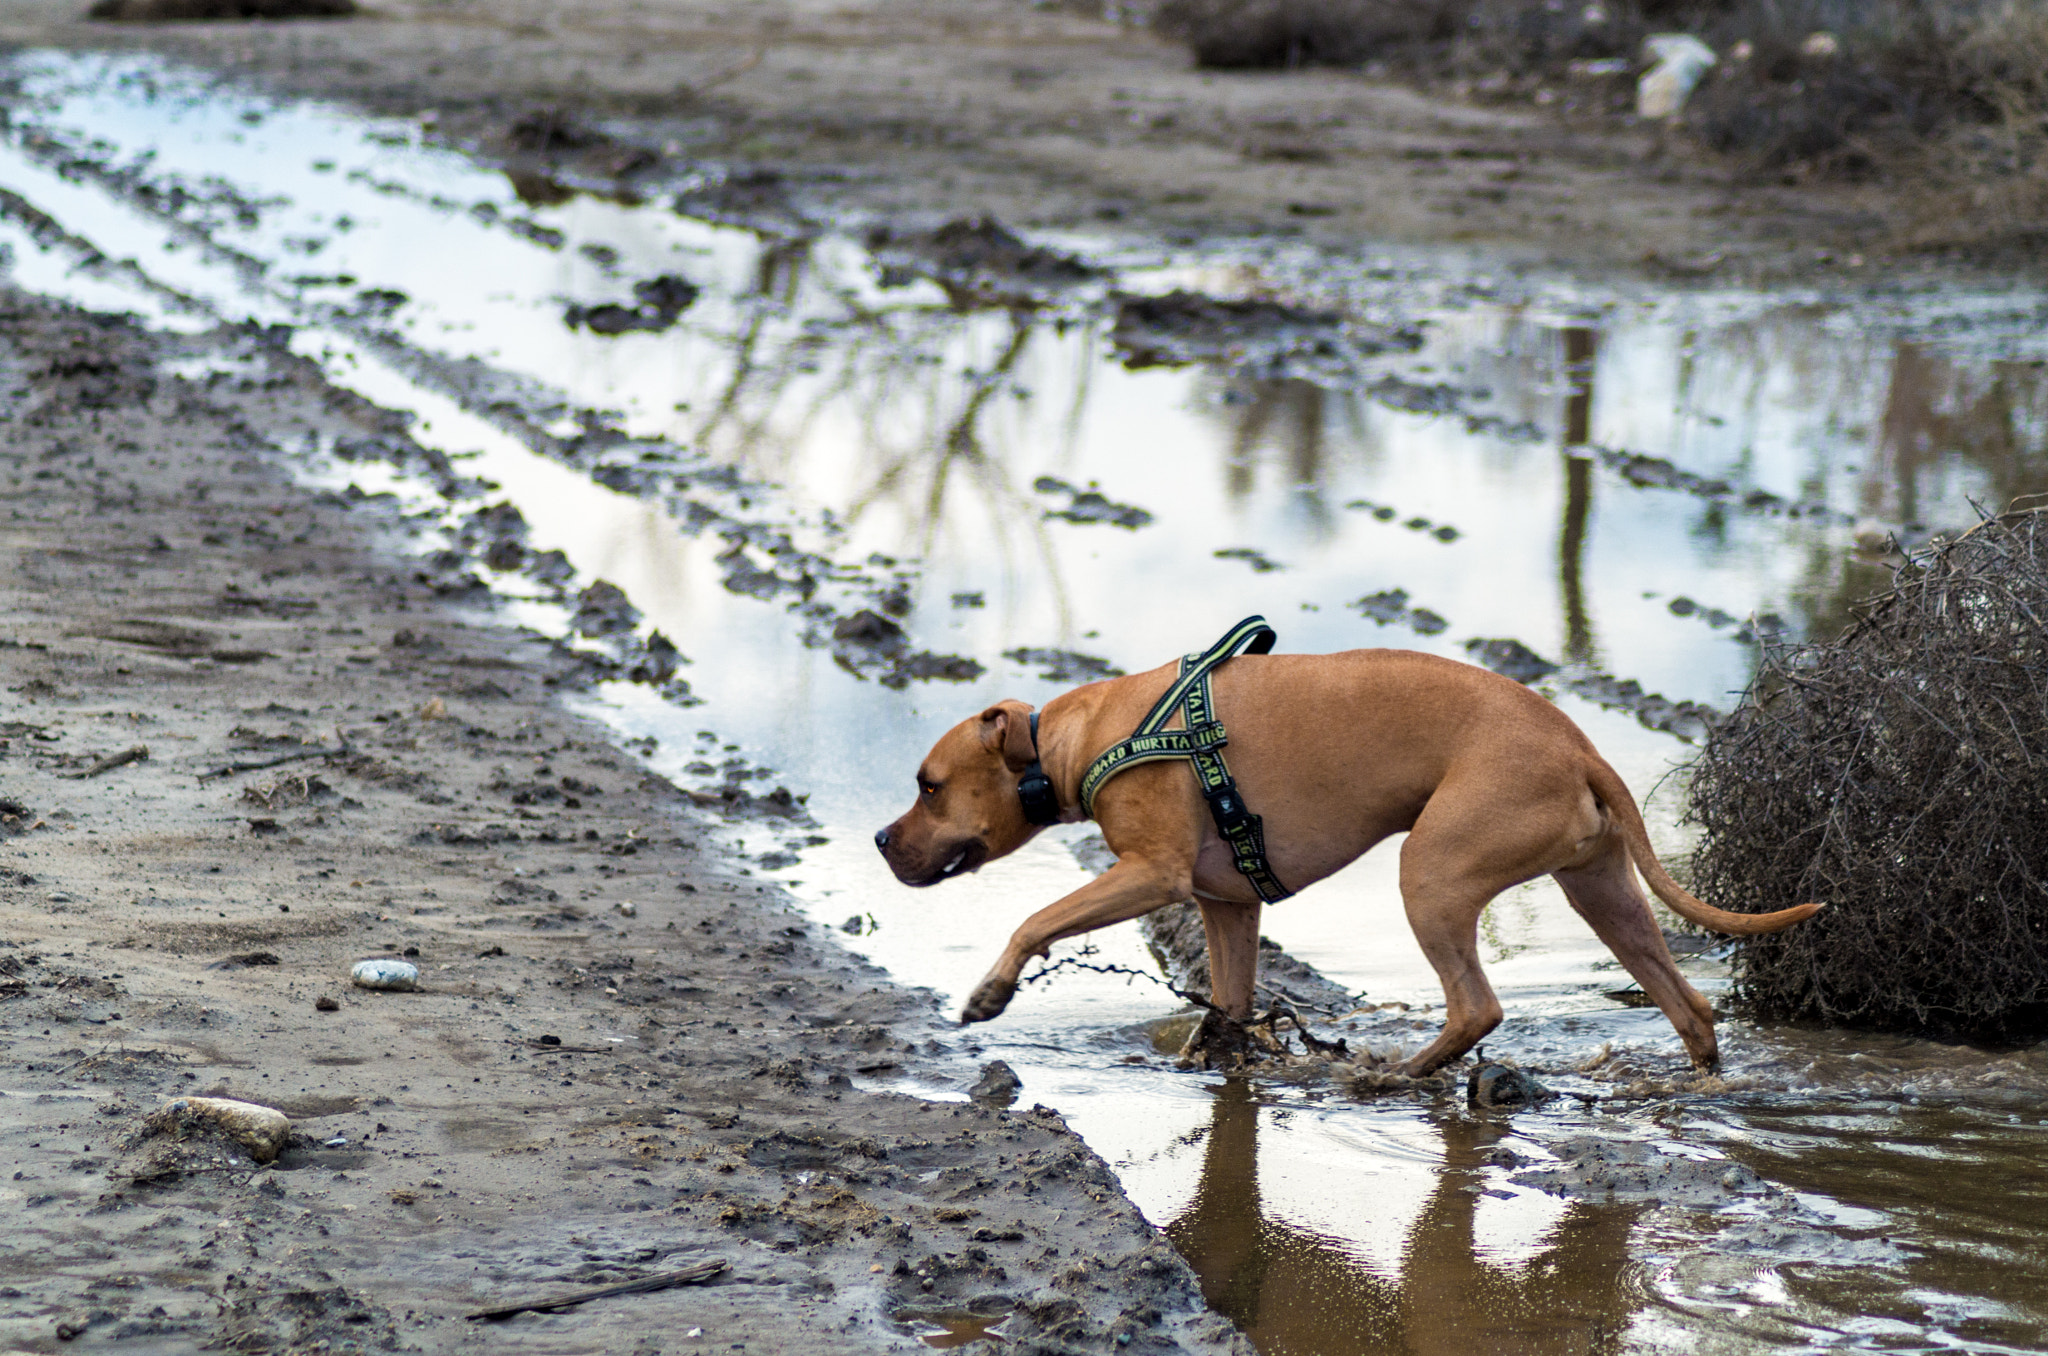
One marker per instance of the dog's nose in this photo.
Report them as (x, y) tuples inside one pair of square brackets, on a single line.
[(882, 840)]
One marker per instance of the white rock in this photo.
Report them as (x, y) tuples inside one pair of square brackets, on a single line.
[(1682, 60), (261, 1130), (1821, 45), (386, 974), (628, 908)]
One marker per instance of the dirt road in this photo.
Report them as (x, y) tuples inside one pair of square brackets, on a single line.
[(247, 743), (1043, 115)]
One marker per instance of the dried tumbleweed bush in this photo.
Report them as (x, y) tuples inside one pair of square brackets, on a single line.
[(1900, 774)]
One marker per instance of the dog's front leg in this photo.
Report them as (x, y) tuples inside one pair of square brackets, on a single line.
[(1132, 888), (1232, 931)]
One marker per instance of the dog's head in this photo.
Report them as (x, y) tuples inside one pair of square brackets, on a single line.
[(967, 811)]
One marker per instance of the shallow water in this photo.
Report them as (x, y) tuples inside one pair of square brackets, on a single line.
[(1622, 480)]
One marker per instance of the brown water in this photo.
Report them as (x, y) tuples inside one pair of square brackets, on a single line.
[(1906, 1227), (1620, 478)]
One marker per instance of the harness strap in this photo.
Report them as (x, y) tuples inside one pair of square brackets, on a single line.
[(1200, 741)]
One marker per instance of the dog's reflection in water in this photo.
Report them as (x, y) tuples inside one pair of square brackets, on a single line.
[(1298, 1294)]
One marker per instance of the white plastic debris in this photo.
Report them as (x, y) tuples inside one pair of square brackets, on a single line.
[(261, 1130), (1681, 61), (386, 974)]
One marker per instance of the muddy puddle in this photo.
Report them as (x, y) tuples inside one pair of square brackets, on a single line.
[(866, 482)]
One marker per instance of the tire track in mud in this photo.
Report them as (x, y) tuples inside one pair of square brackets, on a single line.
[(724, 1115), (764, 560)]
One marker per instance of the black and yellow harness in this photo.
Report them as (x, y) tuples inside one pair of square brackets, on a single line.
[(1200, 740)]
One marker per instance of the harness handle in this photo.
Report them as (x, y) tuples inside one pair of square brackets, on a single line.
[(1252, 635), (1200, 742)]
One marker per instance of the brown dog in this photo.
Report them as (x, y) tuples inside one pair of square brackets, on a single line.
[(1492, 784)]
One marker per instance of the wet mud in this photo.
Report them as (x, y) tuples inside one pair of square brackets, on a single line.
[(766, 547), (391, 778)]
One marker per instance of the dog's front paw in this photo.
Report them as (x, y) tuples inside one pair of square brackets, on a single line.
[(988, 1000)]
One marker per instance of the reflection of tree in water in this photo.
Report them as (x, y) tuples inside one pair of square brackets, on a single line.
[(1286, 412), (959, 447), (1947, 429), (1941, 416), (1293, 418), (1299, 1294), (920, 420), (1580, 347), (924, 428)]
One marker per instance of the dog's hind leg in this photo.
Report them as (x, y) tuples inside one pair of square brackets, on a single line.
[(1471, 842), (1446, 923), (1608, 896)]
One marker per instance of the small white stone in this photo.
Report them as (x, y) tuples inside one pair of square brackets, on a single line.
[(628, 908), (385, 974)]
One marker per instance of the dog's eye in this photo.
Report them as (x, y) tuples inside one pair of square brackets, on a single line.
[(929, 789)]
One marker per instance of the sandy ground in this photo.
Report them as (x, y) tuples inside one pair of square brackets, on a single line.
[(1043, 116), (577, 1093)]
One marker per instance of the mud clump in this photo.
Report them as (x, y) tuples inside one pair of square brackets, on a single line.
[(1090, 505), (657, 304), (1501, 1087), (1595, 1168), (998, 1085), (1064, 666), (757, 198), (302, 1320), (1255, 333), (869, 645), (1899, 774), (603, 609), (1686, 720), (1389, 606), (190, 11), (1511, 659), (203, 1134), (977, 259)]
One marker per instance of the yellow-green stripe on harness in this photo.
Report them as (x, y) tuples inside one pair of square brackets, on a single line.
[(1200, 741)]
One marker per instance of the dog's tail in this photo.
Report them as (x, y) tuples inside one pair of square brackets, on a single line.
[(1613, 793)]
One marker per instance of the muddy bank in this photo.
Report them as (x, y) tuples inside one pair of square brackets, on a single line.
[(251, 741), (902, 110)]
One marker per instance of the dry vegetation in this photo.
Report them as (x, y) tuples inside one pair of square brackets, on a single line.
[(1946, 99), (1899, 774)]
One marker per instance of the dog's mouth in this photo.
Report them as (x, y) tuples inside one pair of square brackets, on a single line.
[(968, 858)]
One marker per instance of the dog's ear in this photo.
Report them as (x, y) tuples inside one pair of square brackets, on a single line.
[(1006, 729)]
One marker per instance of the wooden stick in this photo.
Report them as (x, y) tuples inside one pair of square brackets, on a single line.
[(138, 754), (258, 764), (690, 1275)]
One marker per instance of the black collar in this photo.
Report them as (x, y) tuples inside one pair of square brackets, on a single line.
[(1035, 790)]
